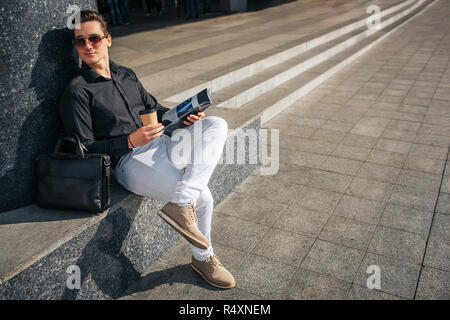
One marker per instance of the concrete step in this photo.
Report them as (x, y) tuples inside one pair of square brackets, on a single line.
[(262, 45), (238, 70), (242, 92), (268, 104)]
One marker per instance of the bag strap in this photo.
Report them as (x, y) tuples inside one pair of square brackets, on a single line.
[(73, 137)]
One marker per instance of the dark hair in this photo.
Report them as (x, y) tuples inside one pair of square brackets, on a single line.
[(90, 15)]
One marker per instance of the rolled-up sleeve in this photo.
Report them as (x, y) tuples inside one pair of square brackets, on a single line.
[(76, 117)]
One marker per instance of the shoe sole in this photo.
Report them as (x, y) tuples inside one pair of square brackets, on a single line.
[(187, 235), (206, 279)]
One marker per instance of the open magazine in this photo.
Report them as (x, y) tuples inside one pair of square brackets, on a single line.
[(174, 118)]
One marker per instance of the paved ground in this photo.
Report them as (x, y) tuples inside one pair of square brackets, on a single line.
[(364, 180)]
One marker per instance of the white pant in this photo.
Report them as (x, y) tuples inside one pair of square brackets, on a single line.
[(178, 170)]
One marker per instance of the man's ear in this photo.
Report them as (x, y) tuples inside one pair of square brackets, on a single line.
[(109, 41)]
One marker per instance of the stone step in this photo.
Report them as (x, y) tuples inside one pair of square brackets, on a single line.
[(242, 92), (267, 105), (219, 65), (238, 70)]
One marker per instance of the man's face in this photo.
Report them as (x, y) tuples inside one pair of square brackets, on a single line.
[(90, 52)]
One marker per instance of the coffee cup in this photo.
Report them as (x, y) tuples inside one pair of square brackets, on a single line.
[(148, 117)]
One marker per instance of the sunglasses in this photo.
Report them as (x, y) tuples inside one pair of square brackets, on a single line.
[(94, 40)]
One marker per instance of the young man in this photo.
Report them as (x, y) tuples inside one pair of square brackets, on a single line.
[(102, 106)]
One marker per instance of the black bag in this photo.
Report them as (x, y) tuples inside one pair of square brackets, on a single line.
[(73, 181)]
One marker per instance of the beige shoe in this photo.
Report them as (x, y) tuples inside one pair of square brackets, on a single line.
[(184, 220), (214, 272)]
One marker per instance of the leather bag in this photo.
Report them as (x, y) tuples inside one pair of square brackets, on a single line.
[(73, 181)]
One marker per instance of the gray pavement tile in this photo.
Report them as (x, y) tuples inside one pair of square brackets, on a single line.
[(332, 259), (263, 277), (291, 174), (308, 285), (358, 292), (230, 258), (349, 152), (236, 233), (398, 278), (284, 247), (293, 130), (413, 109), (265, 190), (356, 140), (179, 254), (421, 180), (443, 205), (413, 197), (392, 99), (417, 101), (346, 116), (212, 293), (403, 125), (330, 181), (182, 281), (359, 209), (438, 253), (439, 120), (328, 135), (406, 219), (395, 92), (249, 184), (427, 151), (316, 146), (441, 226), (156, 275), (302, 220), (445, 187), (306, 159), (341, 165), (371, 126), (402, 135), (393, 146), (337, 126), (433, 284), (398, 244), (433, 129), (251, 209), (386, 158), (347, 232), (385, 106), (378, 172), (316, 199), (370, 189)]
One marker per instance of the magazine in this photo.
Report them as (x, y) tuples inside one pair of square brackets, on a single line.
[(174, 118)]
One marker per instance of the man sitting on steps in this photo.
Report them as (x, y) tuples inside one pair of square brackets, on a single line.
[(102, 106)]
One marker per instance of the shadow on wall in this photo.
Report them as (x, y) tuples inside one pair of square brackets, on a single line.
[(56, 64)]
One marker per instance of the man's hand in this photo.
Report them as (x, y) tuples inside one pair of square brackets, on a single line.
[(192, 117), (145, 134)]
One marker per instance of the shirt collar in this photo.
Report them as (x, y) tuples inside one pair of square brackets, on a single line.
[(92, 76)]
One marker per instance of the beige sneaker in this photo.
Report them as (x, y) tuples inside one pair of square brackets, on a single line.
[(184, 221), (214, 272)]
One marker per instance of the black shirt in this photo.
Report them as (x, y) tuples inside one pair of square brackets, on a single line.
[(104, 111)]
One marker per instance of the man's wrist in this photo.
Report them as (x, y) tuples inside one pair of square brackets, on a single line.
[(130, 144)]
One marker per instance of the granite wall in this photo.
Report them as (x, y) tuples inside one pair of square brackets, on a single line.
[(36, 61)]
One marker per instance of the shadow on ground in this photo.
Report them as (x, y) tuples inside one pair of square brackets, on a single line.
[(141, 23)]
